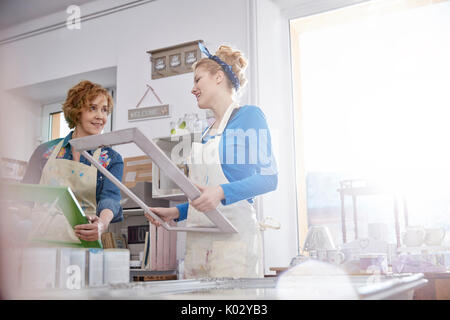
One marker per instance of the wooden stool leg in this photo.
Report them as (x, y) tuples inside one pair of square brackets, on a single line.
[(397, 223), (344, 231), (355, 217)]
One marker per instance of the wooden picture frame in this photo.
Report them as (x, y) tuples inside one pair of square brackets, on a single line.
[(150, 148)]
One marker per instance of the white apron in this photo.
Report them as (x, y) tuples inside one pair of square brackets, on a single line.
[(82, 180), (211, 255)]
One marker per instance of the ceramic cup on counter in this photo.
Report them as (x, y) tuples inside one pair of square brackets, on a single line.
[(350, 254), (335, 256), (322, 255), (434, 236), (413, 236)]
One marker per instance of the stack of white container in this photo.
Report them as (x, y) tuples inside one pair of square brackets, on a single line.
[(73, 268)]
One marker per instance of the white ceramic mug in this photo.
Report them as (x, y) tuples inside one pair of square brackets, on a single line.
[(350, 254), (434, 236), (335, 256), (413, 236)]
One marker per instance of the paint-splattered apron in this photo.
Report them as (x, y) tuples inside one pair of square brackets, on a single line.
[(82, 180), (211, 255)]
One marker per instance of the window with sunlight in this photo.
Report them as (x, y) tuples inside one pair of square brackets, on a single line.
[(58, 126), (375, 105)]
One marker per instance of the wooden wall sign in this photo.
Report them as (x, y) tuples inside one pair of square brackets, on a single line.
[(174, 60), (155, 112)]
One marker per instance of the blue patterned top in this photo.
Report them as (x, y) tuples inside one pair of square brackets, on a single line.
[(107, 194)]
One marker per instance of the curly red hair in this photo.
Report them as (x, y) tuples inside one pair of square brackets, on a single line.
[(78, 99)]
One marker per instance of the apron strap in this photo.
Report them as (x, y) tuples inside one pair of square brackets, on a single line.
[(56, 150), (97, 153), (226, 118), (229, 114)]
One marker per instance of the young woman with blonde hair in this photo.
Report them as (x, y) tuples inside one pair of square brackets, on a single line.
[(231, 165)]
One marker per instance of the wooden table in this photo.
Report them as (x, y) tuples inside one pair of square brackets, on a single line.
[(277, 270), (437, 288), (356, 188)]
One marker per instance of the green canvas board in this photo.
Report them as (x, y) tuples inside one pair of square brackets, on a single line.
[(48, 194)]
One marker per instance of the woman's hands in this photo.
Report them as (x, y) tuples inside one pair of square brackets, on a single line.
[(93, 231), (167, 214), (209, 199)]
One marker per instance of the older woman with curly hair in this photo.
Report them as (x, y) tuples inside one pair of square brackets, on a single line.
[(56, 163)]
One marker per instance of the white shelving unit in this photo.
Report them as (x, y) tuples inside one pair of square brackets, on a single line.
[(163, 186)]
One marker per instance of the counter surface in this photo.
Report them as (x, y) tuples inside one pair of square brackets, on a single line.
[(366, 288)]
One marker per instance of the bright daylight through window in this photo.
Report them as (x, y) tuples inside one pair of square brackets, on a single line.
[(375, 106)]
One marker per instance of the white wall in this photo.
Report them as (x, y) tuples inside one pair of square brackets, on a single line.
[(20, 123), (121, 40)]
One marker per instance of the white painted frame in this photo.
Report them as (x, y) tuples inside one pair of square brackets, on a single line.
[(134, 135)]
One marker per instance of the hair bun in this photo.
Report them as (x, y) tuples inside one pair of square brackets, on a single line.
[(236, 60)]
